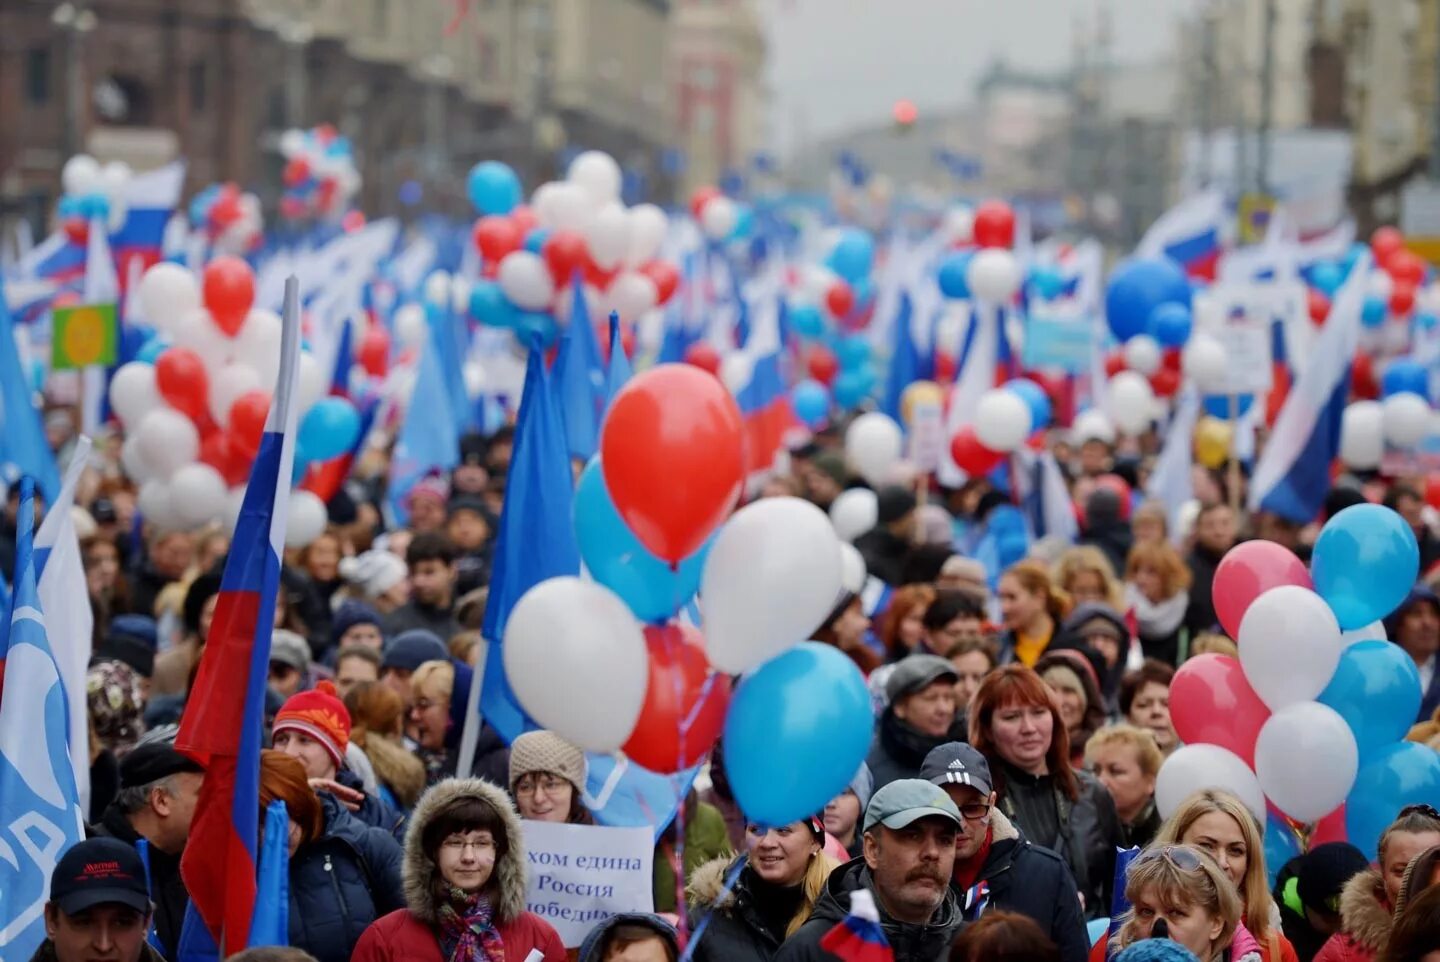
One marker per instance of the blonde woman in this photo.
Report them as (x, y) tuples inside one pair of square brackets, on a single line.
[(1084, 573), (1127, 761), (1182, 887), (783, 874)]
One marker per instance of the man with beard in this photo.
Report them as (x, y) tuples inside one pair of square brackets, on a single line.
[(910, 832)]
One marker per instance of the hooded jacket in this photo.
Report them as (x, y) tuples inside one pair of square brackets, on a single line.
[(1033, 881), (1080, 663), (899, 748), (592, 949), (411, 934), (1069, 637), (910, 943), (736, 932), (1365, 921), (167, 888)]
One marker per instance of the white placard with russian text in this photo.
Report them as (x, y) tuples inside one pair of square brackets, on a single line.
[(580, 875)]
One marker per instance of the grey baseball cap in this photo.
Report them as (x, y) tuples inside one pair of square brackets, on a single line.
[(916, 672), (908, 800)]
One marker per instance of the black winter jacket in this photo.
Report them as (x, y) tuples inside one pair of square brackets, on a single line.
[(736, 931), (899, 749)]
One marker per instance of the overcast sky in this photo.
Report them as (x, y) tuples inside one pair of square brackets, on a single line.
[(836, 64)]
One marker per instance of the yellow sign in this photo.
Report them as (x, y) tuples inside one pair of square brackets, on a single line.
[(82, 336), (1255, 212)]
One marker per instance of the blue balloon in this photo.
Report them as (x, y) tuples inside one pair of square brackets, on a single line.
[(535, 240), (798, 728), (853, 352), (1327, 276), (494, 188), (617, 559), (1406, 773), (489, 305), (854, 386), (528, 323), (1136, 288), (1364, 562), (1046, 282), (329, 429), (1374, 311), (1404, 375), (864, 291), (853, 255), (744, 222), (1036, 398), (1281, 845), (1376, 689), (807, 320), (151, 350), (811, 402), (952, 275), (1352, 256), (1218, 405), (1426, 321), (1170, 324)]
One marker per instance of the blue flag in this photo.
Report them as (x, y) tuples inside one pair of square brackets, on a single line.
[(448, 334), (621, 794), (579, 380), (620, 370), (428, 440), (536, 539), (38, 799), (270, 924), (676, 341), (904, 360), (22, 438)]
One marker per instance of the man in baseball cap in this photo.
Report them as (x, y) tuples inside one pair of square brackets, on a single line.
[(920, 716), (910, 831), (99, 906)]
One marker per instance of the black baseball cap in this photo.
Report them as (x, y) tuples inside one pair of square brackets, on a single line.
[(151, 761), (99, 871), (956, 763)]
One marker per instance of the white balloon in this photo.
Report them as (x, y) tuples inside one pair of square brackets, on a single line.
[(234, 501), (1204, 361), (305, 519), (772, 576), (609, 236), (460, 288), (166, 441), (197, 331), (815, 281), (314, 384), (648, 227), (1092, 425), (1130, 401), (873, 444), (411, 326), (1289, 645), (854, 512), (959, 227), (1194, 768), (633, 294), (474, 379), (526, 280), (718, 218), (197, 495), (1002, 420), (292, 142), (570, 207), (167, 293), (437, 287), (1142, 354), (114, 177), (1375, 631), (229, 383), (1379, 284), (736, 370), (1407, 419), (576, 659), (134, 462), (852, 569), (1362, 435), (258, 345), (133, 393), (993, 275), (1306, 759), (542, 202), (80, 175), (156, 506), (597, 173)]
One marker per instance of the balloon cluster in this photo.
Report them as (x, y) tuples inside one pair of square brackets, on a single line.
[(1395, 283), (982, 267), (1005, 418), (320, 175), (1312, 715), (575, 227), (228, 218), (90, 192), (719, 217), (194, 403), (828, 307), (1401, 419), (602, 662), (1148, 307)]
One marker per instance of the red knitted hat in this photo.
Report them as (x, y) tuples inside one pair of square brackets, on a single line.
[(320, 714)]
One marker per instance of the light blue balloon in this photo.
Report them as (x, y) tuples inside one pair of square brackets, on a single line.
[(1036, 398), (1364, 563), (1373, 312), (798, 728), (811, 402), (1170, 324), (494, 188), (744, 222), (489, 305), (1376, 689), (617, 559), (953, 283), (329, 429), (1281, 845), (853, 352), (1046, 282), (807, 320), (151, 350), (528, 323), (853, 255), (1326, 277), (535, 240), (1406, 773), (854, 386)]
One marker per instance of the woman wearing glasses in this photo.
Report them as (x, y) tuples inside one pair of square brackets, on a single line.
[(464, 885), (1177, 892), (547, 779), (1368, 901)]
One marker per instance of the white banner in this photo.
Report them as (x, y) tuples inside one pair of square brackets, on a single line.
[(581, 875)]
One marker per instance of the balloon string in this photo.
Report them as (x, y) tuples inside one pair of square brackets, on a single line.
[(731, 877)]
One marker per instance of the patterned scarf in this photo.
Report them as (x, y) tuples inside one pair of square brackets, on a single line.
[(467, 928)]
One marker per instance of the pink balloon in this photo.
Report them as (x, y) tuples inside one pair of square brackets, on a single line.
[(1247, 571), (1211, 703)]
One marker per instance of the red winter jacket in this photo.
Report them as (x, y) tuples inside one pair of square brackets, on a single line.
[(1364, 921), (401, 937)]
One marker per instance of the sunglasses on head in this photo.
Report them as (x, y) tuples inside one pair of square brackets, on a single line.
[(1426, 810), (1185, 859)]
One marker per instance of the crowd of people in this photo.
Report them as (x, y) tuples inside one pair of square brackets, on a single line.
[(1021, 721)]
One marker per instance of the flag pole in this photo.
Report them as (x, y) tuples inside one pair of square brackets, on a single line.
[(1234, 462), (470, 734)]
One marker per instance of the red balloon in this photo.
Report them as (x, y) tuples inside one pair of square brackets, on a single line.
[(524, 218), (944, 368), (1402, 298), (840, 299), (1171, 359), (1165, 382), (496, 236), (597, 276), (994, 224), (247, 421), (564, 252), (1363, 383), (1406, 266), (1211, 703), (701, 197), (1114, 363), (229, 287), (1318, 305), (292, 208), (352, 221), (1331, 828), (217, 451), (677, 692), (703, 356), (374, 352), (297, 170), (665, 276), (822, 364), (673, 452), (1247, 571), (1432, 490), (974, 458), (180, 376), (1385, 242)]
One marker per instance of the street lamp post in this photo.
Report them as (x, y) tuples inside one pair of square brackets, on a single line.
[(75, 20)]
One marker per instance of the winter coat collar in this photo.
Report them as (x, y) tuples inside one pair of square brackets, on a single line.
[(420, 873), (1363, 913)]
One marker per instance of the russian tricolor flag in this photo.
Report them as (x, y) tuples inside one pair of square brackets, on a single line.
[(1192, 233), (222, 724), (858, 937)]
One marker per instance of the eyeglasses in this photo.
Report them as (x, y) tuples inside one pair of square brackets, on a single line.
[(1426, 810), (1185, 859), (975, 811), (424, 704), (547, 784), (459, 843)]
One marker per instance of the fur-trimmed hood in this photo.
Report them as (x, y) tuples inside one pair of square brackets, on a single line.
[(1363, 915), (396, 768), (420, 873), (707, 883)]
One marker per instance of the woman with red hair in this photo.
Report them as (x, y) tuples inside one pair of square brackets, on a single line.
[(1016, 724)]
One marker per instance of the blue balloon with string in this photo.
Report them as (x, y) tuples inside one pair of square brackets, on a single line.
[(1035, 398), (1281, 845), (329, 429), (1170, 324), (1403, 376), (535, 240), (806, 320), (1326, 277), (489, 305), (1373, 311), (1046, 282), (151, 350), (494, 188), (811, 402), (951, 276), (1405, 773), (854, 386), (853, 255), (537, 324), (853, 352)]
